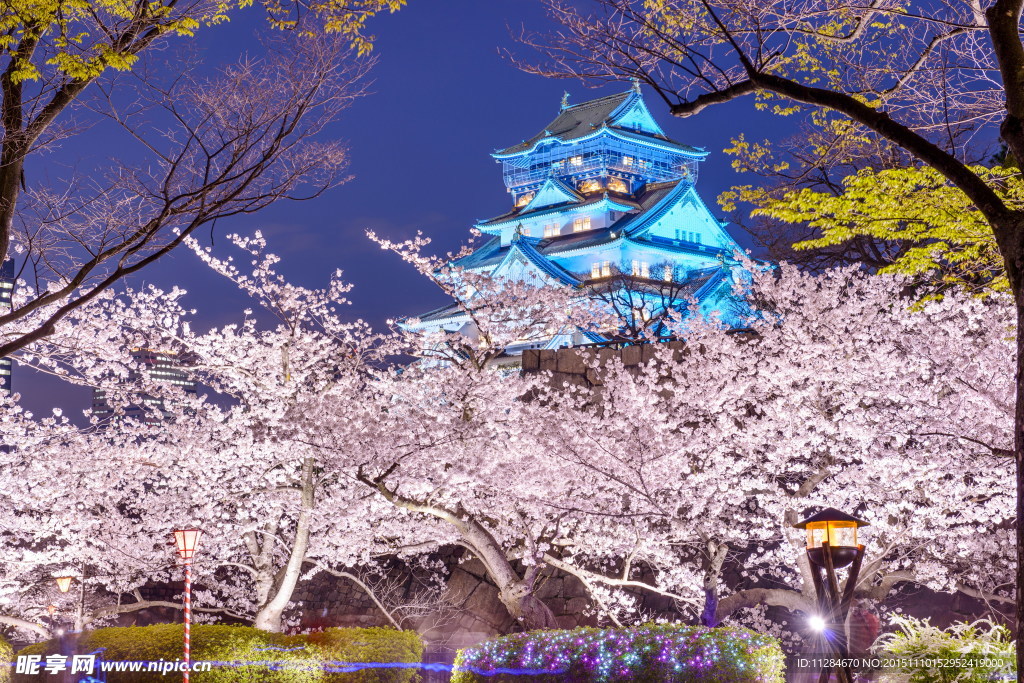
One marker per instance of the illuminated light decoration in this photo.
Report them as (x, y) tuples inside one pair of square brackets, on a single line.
[(524, 199), (664, 651), (590, 186), (64, 583), (164, 666)]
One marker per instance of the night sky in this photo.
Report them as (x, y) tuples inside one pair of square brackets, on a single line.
[(442, 100)]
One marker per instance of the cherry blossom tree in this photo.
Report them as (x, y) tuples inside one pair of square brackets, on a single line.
[(913, 76), (696, 464), (315, 452), (196, 146), (241, 462)]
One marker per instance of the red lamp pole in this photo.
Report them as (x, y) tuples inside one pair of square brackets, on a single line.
[(186, 541)]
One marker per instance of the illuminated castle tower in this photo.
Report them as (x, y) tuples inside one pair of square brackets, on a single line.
[(601, 197)]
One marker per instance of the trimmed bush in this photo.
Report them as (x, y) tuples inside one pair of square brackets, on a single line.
[(6, 659), (383, 645), (645, 654), (273, 657), (981, 651)]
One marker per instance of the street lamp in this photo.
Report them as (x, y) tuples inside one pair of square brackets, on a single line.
[(832, 544), (64, 585), (187, 540), (834, 530)]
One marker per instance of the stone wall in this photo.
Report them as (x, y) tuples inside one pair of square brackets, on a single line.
[(572, 365)]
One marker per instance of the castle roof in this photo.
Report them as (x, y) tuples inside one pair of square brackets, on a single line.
[(696, 286), (517, 214), (625, 112)]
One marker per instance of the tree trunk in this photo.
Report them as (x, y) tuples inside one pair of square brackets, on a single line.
[(269, 616), (527, 608), (515, 592), (712, 572)]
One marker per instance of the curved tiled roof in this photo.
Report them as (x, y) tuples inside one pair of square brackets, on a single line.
[(519, 214), (583, 119), (553, 270)]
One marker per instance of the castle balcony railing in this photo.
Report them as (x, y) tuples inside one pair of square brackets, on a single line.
[(594, 159)]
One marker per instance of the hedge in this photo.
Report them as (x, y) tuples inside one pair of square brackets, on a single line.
[(6, 659), (282, 659), (644, 654)]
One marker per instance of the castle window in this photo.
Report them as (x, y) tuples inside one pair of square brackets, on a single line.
[(641, 269), (595, 270), (627, 161), (606, 269), (666, 273), (524, 230), (581, 224), (551, 230), (576, 160)]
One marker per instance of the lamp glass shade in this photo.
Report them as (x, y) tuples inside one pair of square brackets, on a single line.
[(836, 534), (64, 583), (187, 540)]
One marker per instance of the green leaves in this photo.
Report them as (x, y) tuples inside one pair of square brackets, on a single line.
[(81, 39), (948, 237)]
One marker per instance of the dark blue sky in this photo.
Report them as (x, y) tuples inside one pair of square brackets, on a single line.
[(443, 98)]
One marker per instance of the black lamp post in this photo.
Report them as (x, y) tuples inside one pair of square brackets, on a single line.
[(832, 544)]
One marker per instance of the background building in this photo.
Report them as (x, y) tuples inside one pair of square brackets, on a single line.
[(603, 200), (157, 366)]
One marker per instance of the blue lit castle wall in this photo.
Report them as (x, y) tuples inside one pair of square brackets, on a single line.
[(601, 190)]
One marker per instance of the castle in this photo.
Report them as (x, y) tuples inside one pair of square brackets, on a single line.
[(601, 198)]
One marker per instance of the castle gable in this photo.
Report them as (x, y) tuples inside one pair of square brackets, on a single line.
[(633, 114), (552, 192)]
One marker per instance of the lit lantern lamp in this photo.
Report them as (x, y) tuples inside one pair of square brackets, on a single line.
[(831, 544), (64, 583), (838, 530), (187, 540)]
